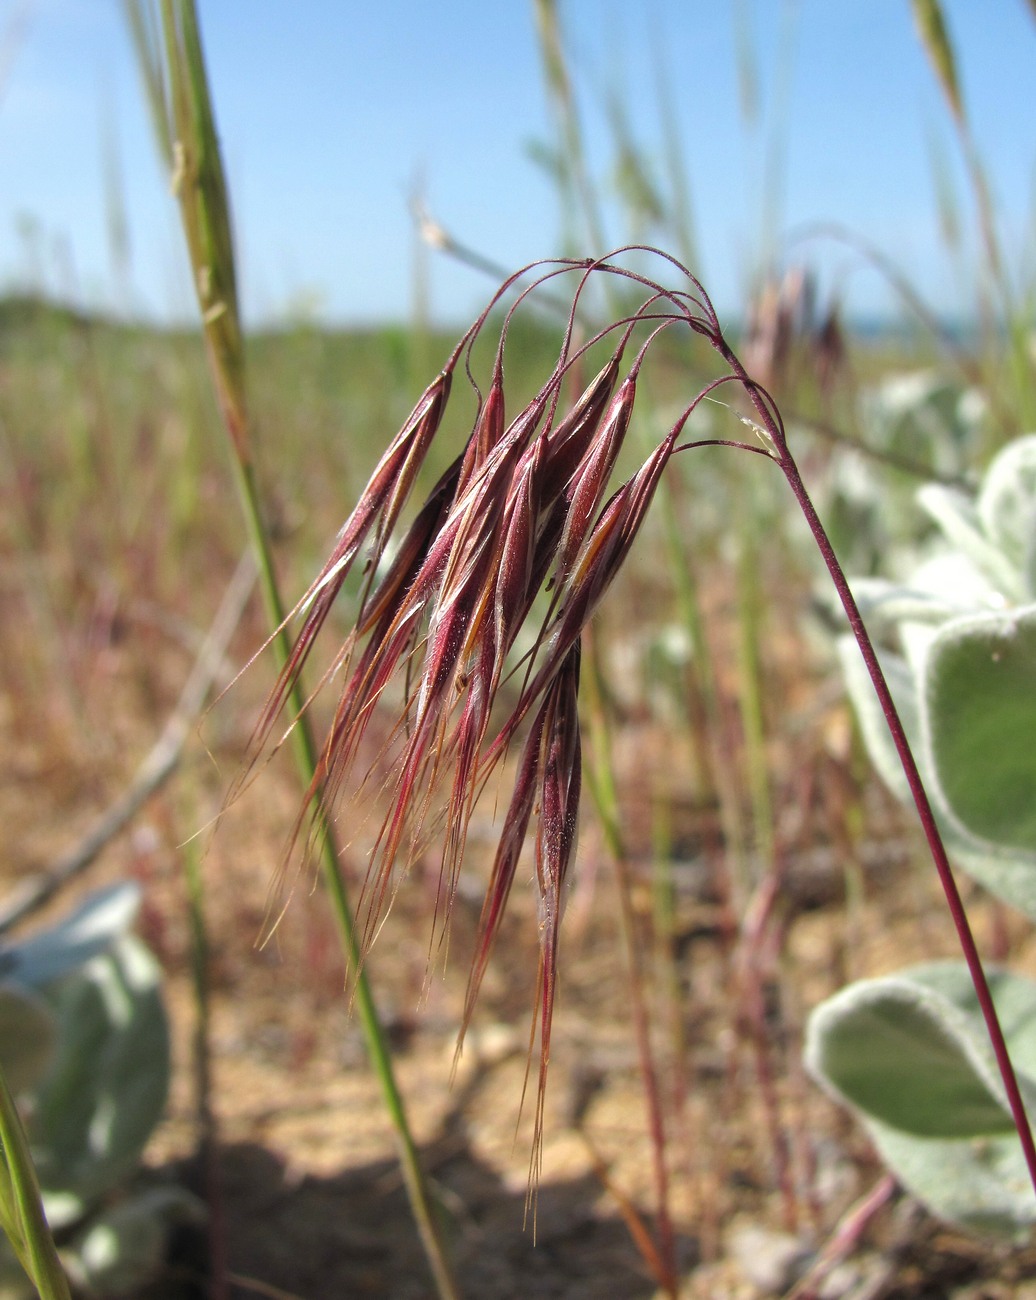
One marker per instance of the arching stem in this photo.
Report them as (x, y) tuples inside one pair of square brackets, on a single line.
[(936, 848)]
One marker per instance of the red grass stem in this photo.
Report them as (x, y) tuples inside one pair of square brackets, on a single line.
[(922, 803)]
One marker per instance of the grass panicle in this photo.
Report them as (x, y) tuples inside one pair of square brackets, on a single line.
[(531, 536)]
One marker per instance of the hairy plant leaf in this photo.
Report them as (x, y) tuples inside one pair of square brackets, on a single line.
[(884, 604), (107, 1087), (911, 1051), (1008, 872), (874, 728), (124, 1246), (90, 930), (980, 1184), (27, 1033), (1007, 507), (959, 519), (910, 1055), (980, 724)]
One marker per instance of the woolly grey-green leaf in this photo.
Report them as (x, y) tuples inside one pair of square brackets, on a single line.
[(83, 1033), (1009, 872), (1007, 507), (874, 728), (958, 517), (910, 1054), (906, 1054), (124, 1247), (90, 930), (980, 1184), (1014, 997), (922, 414), (884, 604), (27, 1032), (980, 724), (107, 1088)]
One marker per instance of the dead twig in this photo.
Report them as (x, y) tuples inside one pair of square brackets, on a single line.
[(159, 764), (845, 1239)]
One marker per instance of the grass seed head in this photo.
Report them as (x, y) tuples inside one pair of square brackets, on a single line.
[(523, 511)]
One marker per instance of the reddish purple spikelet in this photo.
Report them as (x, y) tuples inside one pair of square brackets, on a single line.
[(593, 473), (570, 440), (377, 510), (508, 851), (591, 574), (489, 429), (560, 783)]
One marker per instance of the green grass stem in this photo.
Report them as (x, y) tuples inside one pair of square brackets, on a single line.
[(579, 198), (21, 1209), (1004, 307), (178, 89), (751, 688)]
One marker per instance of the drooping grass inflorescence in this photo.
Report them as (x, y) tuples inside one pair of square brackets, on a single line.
[(478, 607)]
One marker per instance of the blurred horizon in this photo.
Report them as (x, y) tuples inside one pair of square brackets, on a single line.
[(789, 116)]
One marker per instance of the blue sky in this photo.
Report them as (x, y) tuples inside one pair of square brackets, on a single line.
[(329, 111)]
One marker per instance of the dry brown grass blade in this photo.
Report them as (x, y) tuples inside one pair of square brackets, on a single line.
[(639, 1231)]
